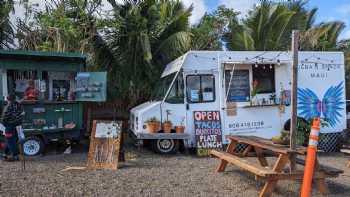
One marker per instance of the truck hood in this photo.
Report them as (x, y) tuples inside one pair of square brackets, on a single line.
[(145, 106)]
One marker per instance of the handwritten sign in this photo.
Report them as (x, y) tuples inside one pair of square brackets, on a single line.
[(104, 145), (207, 126), (239, 89)]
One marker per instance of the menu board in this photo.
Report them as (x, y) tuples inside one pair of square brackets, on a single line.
[(207, 126), (239, 90), (104, 145), (91, 86)]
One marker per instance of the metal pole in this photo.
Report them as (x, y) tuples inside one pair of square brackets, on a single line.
[(293, 122)]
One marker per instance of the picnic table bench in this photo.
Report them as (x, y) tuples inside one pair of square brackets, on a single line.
[(263, 171), (346, 151)]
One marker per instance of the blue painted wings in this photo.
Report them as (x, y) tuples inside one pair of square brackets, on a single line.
[(310, 106)]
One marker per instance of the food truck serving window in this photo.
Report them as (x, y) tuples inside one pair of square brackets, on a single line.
[(239, 88), (264, 75), (200, 88)]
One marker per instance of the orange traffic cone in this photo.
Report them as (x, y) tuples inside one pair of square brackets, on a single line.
[(310, 158)]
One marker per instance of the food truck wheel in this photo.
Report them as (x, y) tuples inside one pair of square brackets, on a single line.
[(165, 146), (32, 146)]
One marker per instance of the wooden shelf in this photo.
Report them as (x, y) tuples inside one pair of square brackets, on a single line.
[(47, 102)]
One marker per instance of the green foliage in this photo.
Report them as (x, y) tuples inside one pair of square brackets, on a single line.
[(137, 38), (143, 36), (269, 27), (208, 32), (6, 30)]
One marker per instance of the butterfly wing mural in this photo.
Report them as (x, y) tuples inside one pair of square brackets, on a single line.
[(333, 104), (309, 106), (330, 108)]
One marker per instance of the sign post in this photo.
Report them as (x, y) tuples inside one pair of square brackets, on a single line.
[(293, 122)]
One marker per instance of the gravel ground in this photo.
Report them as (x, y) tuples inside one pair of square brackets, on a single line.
[(146, 174)]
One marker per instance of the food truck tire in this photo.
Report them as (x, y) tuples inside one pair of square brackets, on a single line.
[(33, 145), (165, 146)]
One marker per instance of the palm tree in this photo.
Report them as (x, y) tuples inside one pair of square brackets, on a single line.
[(269, 27), (6, 30), (144, 35), (264, 29)]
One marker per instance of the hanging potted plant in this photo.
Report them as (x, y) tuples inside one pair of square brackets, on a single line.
[(167, 126), (181, 128), (253, 93), (153, 125)]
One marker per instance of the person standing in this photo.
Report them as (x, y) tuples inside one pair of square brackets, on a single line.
[(11, 117)]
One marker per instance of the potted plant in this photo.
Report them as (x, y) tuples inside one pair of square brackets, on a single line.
[(181, 128), (167, 126), (254, 92), (153, 125)]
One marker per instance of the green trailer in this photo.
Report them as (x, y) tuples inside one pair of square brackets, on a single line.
[(59, 84)]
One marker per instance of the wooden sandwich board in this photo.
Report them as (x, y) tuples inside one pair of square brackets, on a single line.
[(104, 145)]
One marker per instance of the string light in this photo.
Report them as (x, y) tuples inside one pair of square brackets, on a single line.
[(278, 62), (259, 58)]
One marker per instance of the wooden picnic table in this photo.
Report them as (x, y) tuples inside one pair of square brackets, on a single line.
[(270, 174)]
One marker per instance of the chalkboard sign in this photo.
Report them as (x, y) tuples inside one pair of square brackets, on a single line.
[(104, 145), (207, 126), (240, 87)]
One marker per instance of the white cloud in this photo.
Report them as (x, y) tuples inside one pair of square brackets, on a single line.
[(199, 9), (243, 6)]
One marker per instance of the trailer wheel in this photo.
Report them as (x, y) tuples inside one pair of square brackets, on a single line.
[(33, 146), (165, 146)]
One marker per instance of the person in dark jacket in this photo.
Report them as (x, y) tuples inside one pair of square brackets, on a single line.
[(11, 117)]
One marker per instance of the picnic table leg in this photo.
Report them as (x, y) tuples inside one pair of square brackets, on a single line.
[(320, 183), (260, 155), (246, 151), (321, 186), (230, 149), (278, 167)]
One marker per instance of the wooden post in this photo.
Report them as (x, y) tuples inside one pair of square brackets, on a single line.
[(293, 121)]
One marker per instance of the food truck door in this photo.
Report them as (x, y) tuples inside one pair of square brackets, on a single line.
[(91, 86), (202, 94)]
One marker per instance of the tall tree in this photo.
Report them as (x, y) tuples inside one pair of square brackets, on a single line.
[(6, 30), (269, 27), (208, 33), (64, 25), (144, 35)]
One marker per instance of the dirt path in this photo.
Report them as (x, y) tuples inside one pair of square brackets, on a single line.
[(146, 174)]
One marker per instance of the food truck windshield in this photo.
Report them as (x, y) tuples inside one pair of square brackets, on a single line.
[(32, 85), (176, 94)]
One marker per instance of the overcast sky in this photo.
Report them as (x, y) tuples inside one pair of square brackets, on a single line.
[(327, 10)]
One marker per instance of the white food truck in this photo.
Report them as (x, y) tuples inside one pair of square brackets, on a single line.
[(250, 90)]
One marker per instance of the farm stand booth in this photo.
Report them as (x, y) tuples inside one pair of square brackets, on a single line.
[(51, 88)]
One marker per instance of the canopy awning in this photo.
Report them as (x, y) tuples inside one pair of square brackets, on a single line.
[(174, 66)]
